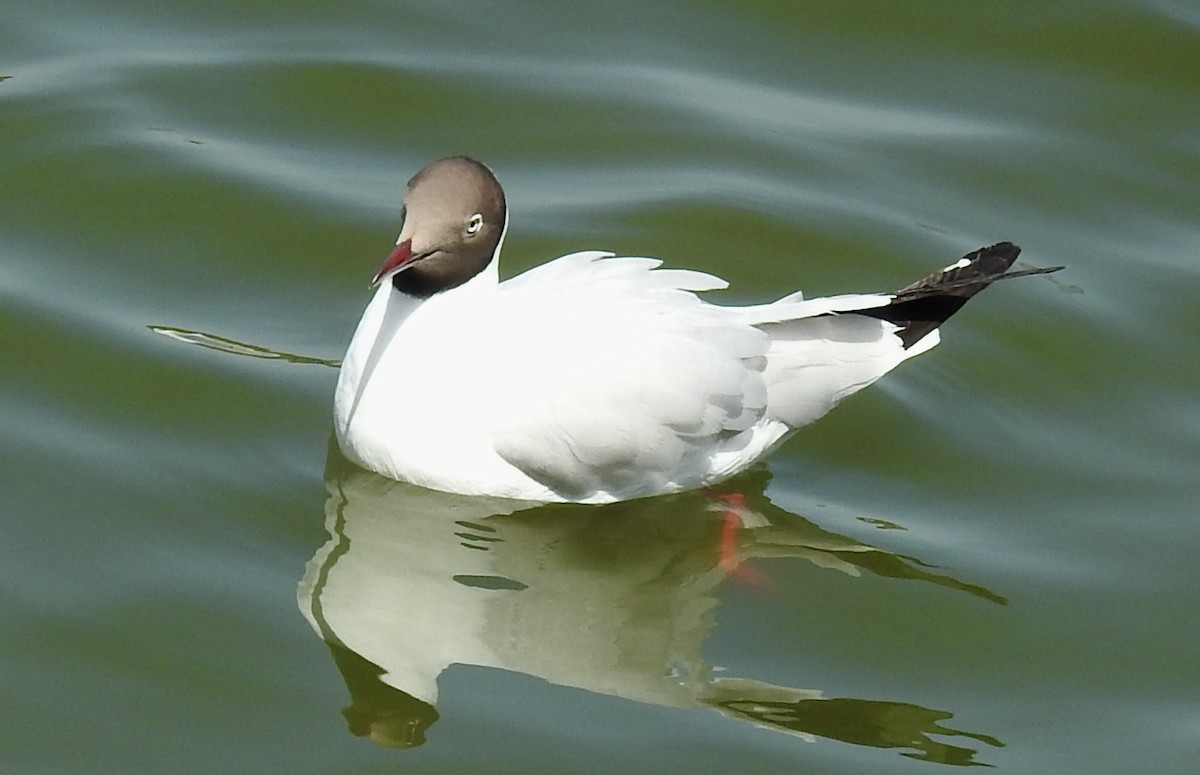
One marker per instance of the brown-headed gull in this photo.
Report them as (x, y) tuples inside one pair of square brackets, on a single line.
[(596, 378)]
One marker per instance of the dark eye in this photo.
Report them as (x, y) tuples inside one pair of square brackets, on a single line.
[(475, 223)]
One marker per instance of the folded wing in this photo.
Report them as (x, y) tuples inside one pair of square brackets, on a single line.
[(627, 381)]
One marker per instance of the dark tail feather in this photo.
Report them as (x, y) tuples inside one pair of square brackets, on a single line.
[(923, 306)]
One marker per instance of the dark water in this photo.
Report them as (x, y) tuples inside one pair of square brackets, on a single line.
[(990, 557)]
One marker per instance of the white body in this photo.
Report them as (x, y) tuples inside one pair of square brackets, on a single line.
[(595, 378)]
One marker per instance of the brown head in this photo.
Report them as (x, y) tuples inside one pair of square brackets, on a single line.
[(454, 216)]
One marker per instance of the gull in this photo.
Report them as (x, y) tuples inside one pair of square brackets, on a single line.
[(596, 378)]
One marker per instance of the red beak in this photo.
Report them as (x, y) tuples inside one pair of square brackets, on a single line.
[(396, 260)]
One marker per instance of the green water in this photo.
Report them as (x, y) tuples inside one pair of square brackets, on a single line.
[(990, 557)]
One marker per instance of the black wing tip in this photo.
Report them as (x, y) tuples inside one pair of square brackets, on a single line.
[(923, 306), (1005, 251), (985, 266), (968, 276)]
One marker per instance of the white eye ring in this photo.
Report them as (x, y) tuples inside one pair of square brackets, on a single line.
[(475, 223)]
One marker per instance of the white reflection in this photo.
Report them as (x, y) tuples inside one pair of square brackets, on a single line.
[(615, 599)]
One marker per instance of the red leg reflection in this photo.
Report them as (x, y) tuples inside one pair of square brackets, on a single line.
[(727, 558)]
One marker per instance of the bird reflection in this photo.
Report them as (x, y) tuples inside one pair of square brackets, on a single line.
[(614, 599)]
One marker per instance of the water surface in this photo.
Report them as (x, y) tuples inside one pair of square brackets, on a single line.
[(987, 558)]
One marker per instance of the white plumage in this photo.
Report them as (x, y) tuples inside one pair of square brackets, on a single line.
[(596, 378)]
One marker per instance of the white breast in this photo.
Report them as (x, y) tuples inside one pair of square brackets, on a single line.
[(413, 397)]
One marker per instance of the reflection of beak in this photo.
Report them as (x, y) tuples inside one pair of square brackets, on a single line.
[(399, 258)]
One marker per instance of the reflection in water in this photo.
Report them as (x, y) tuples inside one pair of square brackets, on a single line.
[(614, 599), (234, 347)]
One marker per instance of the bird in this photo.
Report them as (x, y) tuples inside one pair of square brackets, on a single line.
[(595, 378)]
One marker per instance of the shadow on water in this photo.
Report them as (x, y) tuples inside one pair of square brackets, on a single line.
[(614, 599)]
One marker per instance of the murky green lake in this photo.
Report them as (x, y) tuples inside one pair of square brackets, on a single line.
[(988, 558)]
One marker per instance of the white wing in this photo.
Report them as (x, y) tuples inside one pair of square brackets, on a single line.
[(821, 351), (627, 383), (813, 363)]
